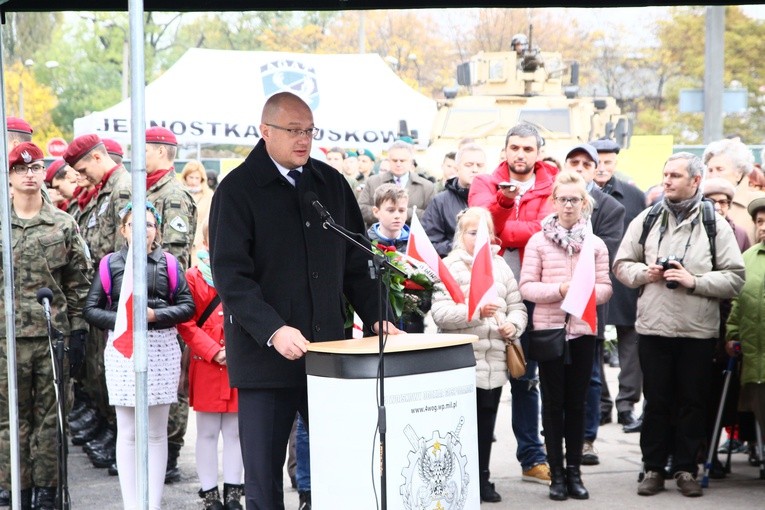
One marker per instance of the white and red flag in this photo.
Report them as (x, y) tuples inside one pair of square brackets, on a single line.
[(123, 326), (420, 248), (580, 299), (482, 289)]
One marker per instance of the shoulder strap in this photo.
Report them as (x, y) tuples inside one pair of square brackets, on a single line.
[(710, 225), (208, 311), (648, 222), (105, 274), (172, 272)]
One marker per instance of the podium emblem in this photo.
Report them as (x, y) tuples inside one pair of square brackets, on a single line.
[(436, 477)]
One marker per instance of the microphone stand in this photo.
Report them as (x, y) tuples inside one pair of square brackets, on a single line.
[(57, 360), (380, 265)]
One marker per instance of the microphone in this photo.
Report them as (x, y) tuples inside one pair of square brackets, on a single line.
[(313, 200), (44, 297)]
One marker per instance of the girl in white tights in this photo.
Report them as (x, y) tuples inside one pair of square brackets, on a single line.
[(214, 401), (169, 303)]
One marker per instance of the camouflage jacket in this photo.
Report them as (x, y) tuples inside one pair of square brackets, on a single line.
[(48, 251), (179, 217), (102, 222)]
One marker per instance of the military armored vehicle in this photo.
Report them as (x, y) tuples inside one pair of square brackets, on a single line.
[(506, 88)]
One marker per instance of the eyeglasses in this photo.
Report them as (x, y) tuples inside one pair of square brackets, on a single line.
[(724, 202), (564, 200), (149, 225), (295, 133), (23, 169)]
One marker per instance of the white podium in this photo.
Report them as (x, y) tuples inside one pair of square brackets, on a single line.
[(431, 439)]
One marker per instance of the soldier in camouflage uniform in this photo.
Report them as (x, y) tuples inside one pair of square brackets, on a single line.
[(179, 225), (100, 220), (47, 252)]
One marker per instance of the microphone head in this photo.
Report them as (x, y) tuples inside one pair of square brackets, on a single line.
[(310, 197), (44, 293)]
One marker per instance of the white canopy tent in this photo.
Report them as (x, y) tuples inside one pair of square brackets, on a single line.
[(216, 96)]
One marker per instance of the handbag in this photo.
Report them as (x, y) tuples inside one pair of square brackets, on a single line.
[(547, 344), (516, 361)]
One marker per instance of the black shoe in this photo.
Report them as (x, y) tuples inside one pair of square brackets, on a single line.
[(558, 490), (626, 418), (172, 472), (85, 420), (45, 498), (26, 499), (172, 475), (232, 495), (488, 494), (605, 417), (107, 436), (211, 499), (5, 497), (305, 500), (104, 458), (635, 426), (113, 471), (87, 433), (574, 483)]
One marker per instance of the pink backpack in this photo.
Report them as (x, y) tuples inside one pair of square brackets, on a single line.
[(105, 274)]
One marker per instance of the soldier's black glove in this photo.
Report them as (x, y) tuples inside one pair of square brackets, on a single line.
[(76, 351)]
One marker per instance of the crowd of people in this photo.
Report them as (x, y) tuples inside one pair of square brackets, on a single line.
[(232, 307)]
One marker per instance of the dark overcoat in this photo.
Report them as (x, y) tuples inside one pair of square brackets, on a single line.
[(274, 264)]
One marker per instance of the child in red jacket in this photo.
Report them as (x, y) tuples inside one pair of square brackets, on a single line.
[(213, 400)]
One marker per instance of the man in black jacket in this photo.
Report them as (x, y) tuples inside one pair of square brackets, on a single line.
[(622, 309), (281, 278), (440, 218)]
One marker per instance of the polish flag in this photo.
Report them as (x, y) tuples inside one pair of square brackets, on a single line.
[(580, 299), (123, 326), (482, 289), (420, 248)]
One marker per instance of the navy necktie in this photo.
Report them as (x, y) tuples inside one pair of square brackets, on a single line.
[(295, 174)]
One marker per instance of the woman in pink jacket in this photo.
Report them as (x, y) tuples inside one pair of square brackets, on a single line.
[(548, 266)]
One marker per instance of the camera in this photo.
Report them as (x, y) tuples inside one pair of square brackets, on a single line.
[(664, 262)]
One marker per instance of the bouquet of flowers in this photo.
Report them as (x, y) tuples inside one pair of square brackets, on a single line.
[(406, 293)]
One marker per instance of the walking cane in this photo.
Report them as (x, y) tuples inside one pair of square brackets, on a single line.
[(712, 444), (44, 297)]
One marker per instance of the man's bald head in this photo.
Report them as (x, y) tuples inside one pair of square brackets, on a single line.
[(280, 101)]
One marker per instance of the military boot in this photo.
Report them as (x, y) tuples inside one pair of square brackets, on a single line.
[(87, 432), (107, 436), (45, 498), (105, 457), (172, 473)]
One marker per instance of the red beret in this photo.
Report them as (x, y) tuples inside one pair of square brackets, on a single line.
[(80, 147), (158, 134), (18, 125), (53, 169), (113, 147), (24, 154)]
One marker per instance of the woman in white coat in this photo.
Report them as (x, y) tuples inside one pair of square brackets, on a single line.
[(497, 323)]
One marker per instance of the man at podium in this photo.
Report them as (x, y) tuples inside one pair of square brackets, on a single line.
[(282, 278)]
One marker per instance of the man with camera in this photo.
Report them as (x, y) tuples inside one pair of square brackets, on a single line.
[(683, 267)]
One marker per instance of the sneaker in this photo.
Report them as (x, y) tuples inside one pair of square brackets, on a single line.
[(539, 473), (589, 455), (687, 484), (735, 446), (653, 483)]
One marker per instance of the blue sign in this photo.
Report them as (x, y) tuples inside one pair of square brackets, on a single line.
[(290, 75)]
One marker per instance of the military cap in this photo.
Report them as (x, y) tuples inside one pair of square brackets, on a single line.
[(53, 169), (18, 125), (158, 134), (367, 153), (24, 153), (113, 147), (80, 147)]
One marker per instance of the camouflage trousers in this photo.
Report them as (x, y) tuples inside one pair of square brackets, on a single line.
[(36, 411), (94, 382)]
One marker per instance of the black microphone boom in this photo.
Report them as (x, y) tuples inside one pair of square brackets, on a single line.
[(313, 200), (43, 294)]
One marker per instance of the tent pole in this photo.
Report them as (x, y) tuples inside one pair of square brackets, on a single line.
[(138, 176), (10, 317)]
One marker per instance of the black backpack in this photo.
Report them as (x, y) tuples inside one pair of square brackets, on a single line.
[(707, 217)]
